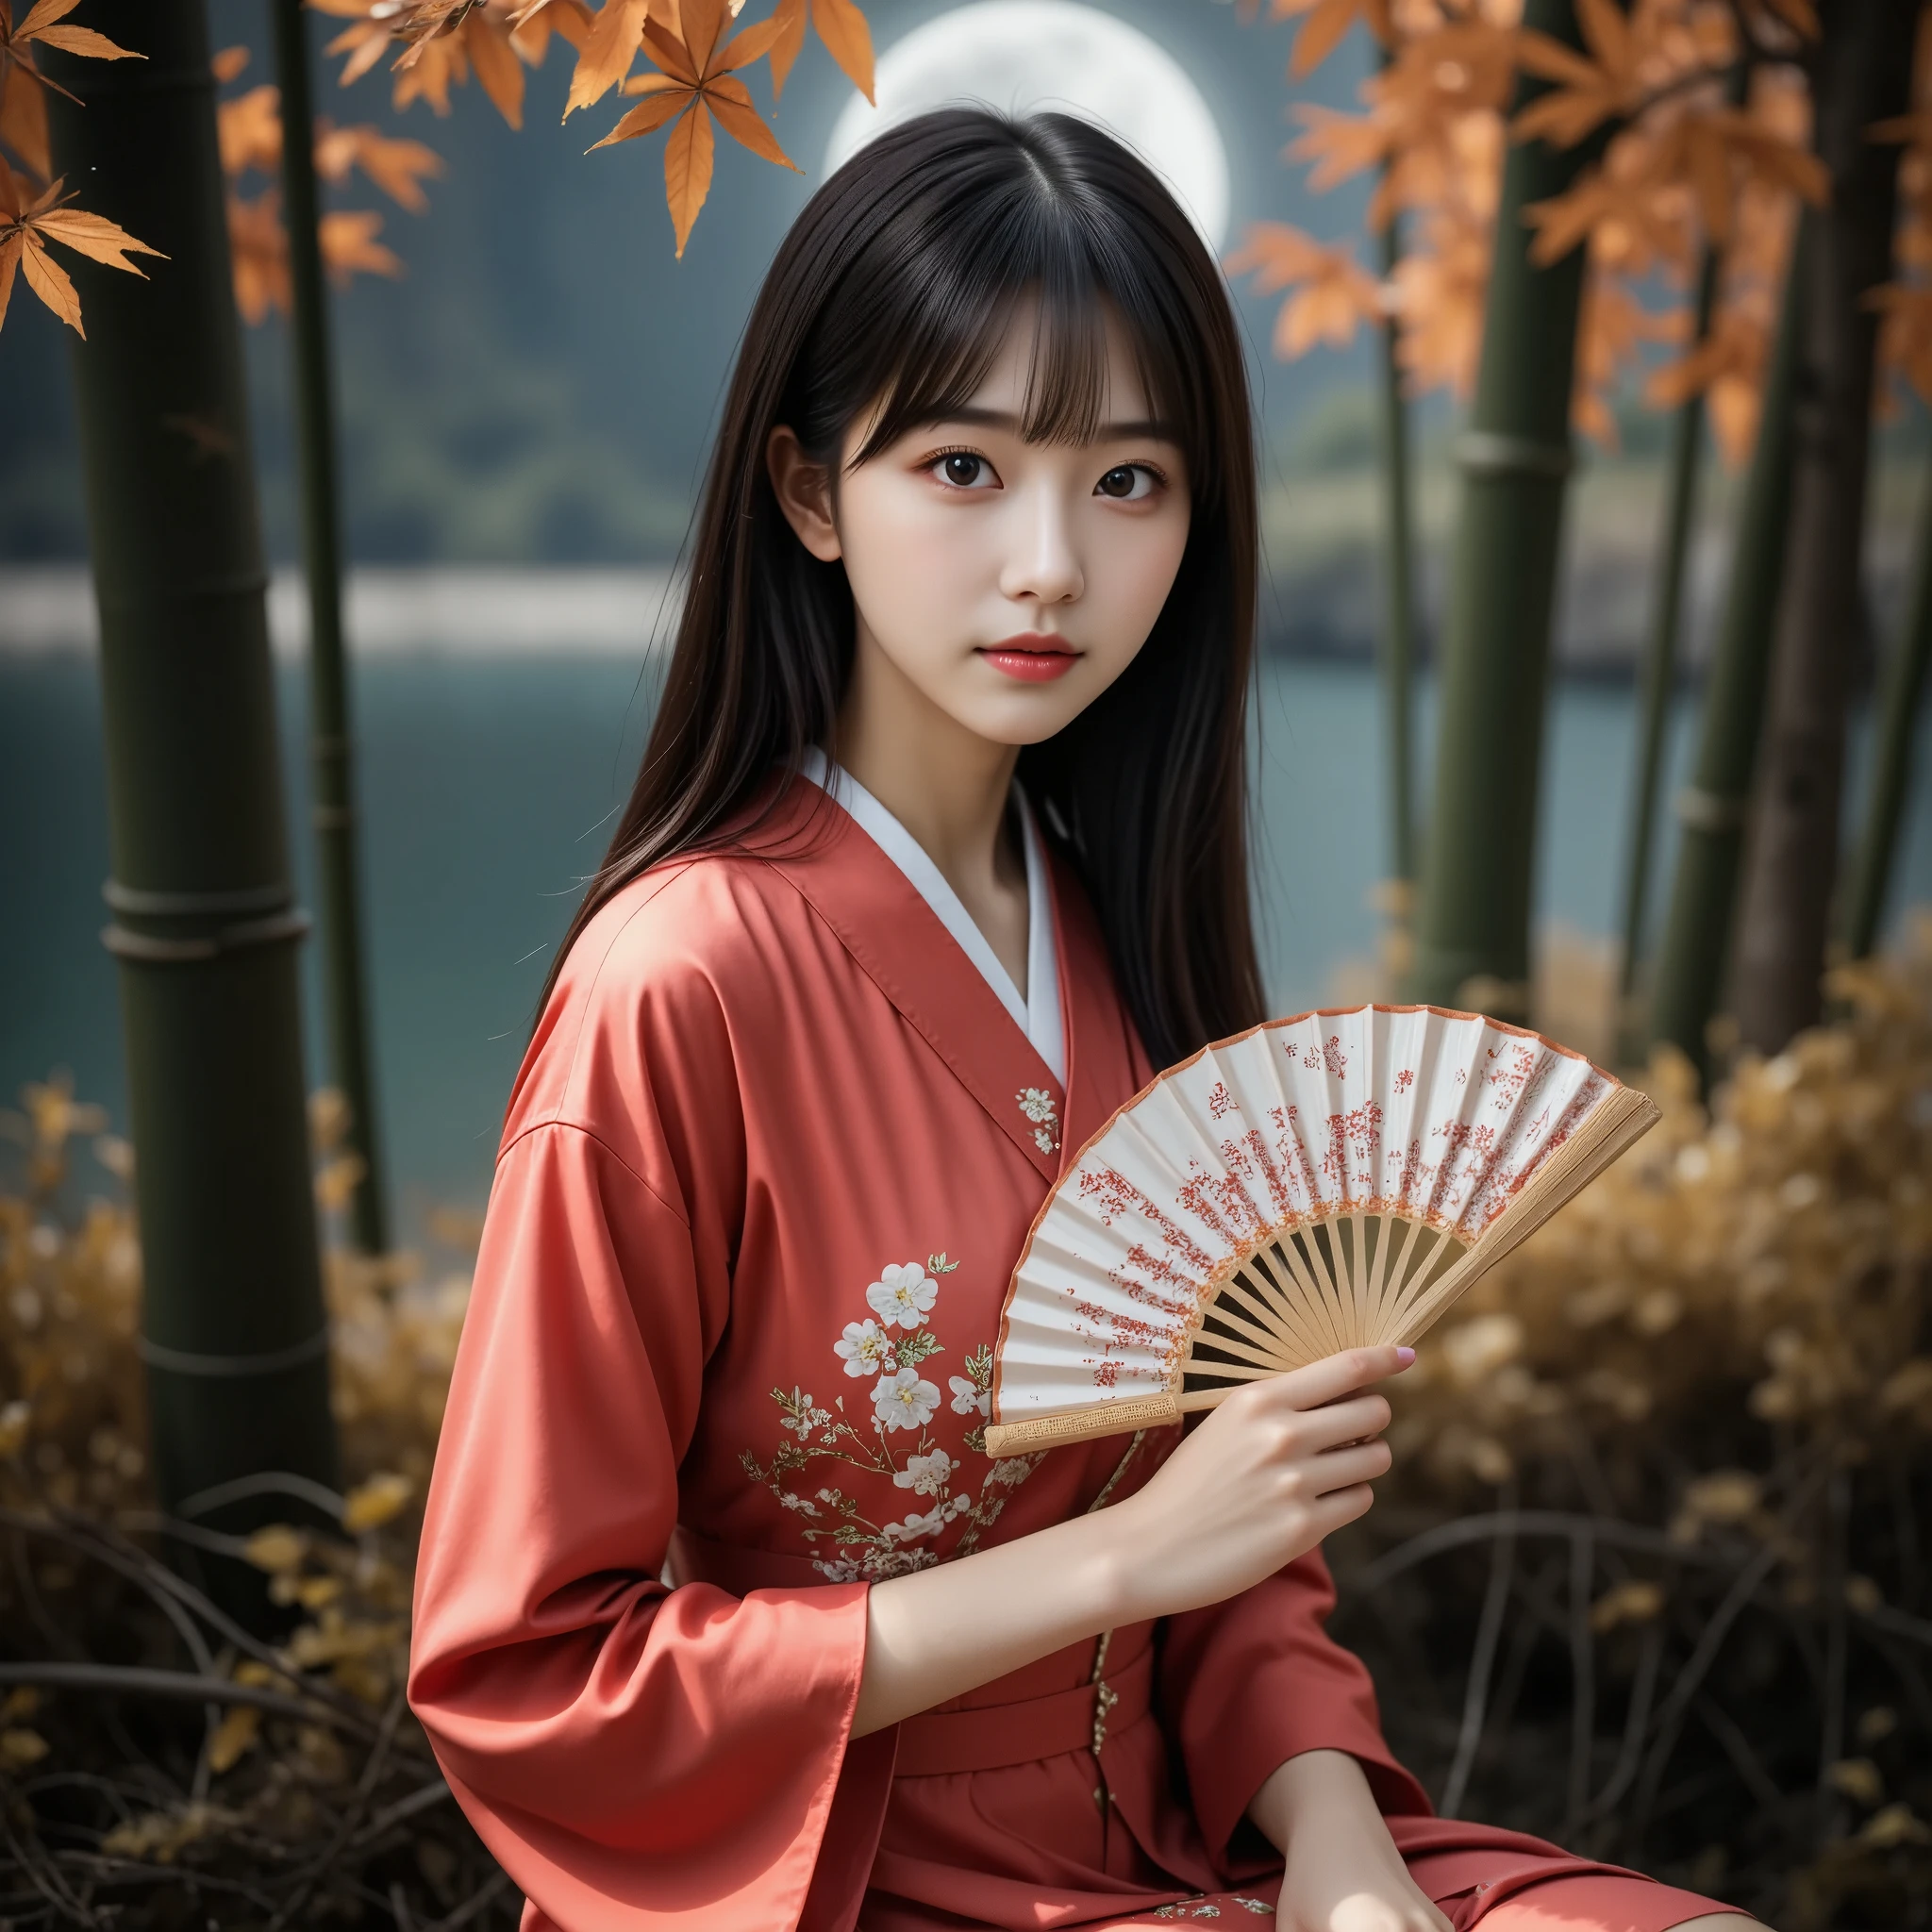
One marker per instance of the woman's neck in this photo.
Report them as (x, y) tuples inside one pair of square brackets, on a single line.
[(947, 786)]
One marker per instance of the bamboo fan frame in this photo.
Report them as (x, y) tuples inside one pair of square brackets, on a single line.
[(1320, 1284)]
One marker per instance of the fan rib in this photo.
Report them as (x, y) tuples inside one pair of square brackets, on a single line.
[(1291, 1248), (1263, 1315), (1305, 1336), (1386, 1226), (1243, 1351)]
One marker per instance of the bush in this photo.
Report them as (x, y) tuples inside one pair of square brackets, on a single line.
[(1649, 1577)]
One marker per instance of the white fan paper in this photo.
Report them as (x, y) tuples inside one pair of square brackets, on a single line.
[(1316, 1184)]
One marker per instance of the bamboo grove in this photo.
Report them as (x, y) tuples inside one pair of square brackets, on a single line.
[(1542, 177), (1725, 203)]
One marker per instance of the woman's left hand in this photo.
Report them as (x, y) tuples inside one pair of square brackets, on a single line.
[(1343, 1870)]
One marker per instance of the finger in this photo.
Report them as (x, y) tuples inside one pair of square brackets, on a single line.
[(1336, 1423), (1341, 1469), (1336, 1375), (1338, 1507)]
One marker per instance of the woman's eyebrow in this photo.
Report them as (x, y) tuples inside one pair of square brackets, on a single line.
[(1105, 432)]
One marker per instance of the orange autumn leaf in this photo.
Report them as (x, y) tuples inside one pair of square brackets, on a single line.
[(847, 38), (693, 85), (27, 226), (259, 255), (1328, 24), (349, 247), (24, 86), (397, 167), (1333, 294), (249, 131), (24, 120), (608, 54)]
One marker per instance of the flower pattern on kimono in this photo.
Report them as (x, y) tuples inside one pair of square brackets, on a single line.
[(846, 1542), (867, 1349), (928, 1474), (904, 1399), (1036, 1103), (902, 1295), (969, 1398)]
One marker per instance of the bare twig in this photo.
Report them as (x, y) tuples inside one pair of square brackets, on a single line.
[(1582, 1676), (1489, 1631), (142, 1680)]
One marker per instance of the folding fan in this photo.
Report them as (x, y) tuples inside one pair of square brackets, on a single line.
[(1316, 1184)]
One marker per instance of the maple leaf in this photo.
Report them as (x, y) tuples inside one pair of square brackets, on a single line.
[(349, 247), (41, 27), (695, 85), (1333, 297), (441, 43), (840, 26), (259, 255), (27, 226), (23, 119), (1328, 22), (397, 167), (23, 101), (249, 131)]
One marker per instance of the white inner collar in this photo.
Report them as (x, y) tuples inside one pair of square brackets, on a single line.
[(1038, 1013)]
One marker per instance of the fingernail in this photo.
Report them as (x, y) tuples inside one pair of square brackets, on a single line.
[(1405, 1355)]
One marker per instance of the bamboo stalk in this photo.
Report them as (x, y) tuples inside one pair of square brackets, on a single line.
[(1711, 809), (1861, 76), (1892, 765), (203, 928), (1398, 617), (344, 973), (1472, 921), (1656, 675)]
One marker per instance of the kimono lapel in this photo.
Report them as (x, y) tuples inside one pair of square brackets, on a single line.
[(1105, 1064), (901, 944)]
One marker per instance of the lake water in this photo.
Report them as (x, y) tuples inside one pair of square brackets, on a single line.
[(487, 784)]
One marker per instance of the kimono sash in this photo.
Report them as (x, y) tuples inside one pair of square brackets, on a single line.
[(986, 1736)]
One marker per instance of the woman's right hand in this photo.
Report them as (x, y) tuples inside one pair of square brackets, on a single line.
[(1269, 1472)]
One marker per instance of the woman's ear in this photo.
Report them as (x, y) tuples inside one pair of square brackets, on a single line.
[(805, 493)]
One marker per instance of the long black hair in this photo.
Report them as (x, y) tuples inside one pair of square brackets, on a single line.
[(896, 286)]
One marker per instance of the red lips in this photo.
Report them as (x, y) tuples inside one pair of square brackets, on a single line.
[(1032, 656)]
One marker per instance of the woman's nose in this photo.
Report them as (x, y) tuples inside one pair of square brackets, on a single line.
[(1042, 560)]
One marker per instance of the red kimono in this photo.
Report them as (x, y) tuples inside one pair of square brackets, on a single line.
[(767, 1166)]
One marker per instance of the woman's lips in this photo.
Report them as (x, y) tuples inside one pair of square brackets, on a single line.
[(1032, 657)]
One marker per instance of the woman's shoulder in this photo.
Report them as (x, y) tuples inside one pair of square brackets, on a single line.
[(655, 992)]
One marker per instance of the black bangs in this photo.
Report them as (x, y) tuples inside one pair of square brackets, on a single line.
[(886, 306), (923, 311)]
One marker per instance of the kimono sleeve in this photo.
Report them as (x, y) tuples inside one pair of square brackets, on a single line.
[(1249, 1683), (634, 1757)]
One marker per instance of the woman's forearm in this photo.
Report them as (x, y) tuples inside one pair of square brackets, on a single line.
[(939, 1632)]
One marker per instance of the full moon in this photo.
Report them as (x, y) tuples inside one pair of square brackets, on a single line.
[(1024, 54)]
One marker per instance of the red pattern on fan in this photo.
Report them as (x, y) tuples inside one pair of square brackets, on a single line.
[(1180, 1257)]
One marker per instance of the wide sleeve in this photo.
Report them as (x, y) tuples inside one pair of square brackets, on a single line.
[(634, 1757), (1249, 1683)]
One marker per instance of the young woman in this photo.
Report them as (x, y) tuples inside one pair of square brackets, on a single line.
[(724, 1617)]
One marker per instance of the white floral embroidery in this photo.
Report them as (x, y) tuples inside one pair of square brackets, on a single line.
[(890, 1349), (967, 1396), (928, 1474), (1036, 1103), (904, 1399), (803, 1417), (866, 1349), (902, 1295)]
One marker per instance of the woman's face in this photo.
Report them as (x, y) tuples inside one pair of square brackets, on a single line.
[(1011, 582)]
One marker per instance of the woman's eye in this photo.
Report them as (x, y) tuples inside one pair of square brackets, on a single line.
[(1128, 481), (964, 471)]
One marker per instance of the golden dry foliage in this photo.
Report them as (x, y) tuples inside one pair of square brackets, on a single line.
[(1685, 166), (692, 85), (1733, 1315), (1759, 1274), (249, 130), (33, 210)]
